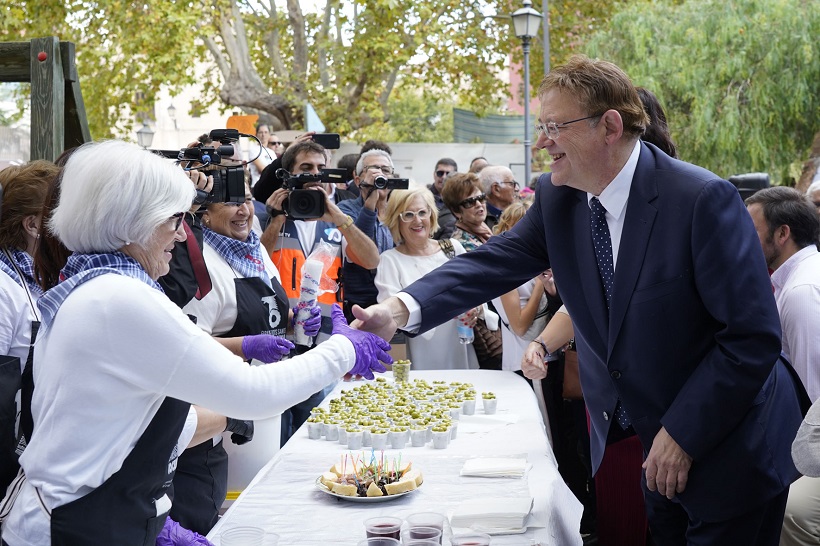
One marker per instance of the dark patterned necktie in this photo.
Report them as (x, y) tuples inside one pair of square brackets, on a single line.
[(602, 242)]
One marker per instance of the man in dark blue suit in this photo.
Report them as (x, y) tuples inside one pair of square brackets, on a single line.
[(677, 331)]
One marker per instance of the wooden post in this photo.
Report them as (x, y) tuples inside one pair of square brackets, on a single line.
[(58, 118), (47, 99)]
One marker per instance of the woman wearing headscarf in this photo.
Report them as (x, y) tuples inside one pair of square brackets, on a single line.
[(117, 364)]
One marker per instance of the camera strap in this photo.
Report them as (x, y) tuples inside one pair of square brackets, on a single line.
[(203, 278)]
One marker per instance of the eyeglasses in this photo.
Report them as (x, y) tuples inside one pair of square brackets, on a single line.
[(516, 186), (442, 174), (385, 169), (178, 218), (552, 128), (409, 215), (470, 202)]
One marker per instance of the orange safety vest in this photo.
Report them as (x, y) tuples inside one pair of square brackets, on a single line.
[(288, 256)]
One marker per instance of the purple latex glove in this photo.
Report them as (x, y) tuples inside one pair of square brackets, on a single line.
[(266, 348), (173, 534), (370, 348), (313, 322)]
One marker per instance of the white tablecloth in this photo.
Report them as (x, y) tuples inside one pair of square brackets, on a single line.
[(283, 497)]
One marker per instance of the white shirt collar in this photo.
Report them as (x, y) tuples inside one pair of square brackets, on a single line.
[(616, 194), (781, 274)]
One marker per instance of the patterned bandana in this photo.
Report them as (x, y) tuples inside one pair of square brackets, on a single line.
[(25, 264), (244, 257), (84, 267)]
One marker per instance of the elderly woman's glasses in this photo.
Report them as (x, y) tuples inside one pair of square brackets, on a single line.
[(409, 215), (470, 202), (177, 218), (552, 128)]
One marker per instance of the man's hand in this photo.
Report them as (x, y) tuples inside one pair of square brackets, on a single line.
[(548, 282), (532, 363), (667, 466), (275, 201), (382, 319)]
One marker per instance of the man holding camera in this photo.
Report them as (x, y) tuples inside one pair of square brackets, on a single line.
[(373, 169), (291, 240)]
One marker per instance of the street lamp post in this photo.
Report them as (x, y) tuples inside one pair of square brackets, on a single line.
[(526, 22), (145, 136), (172, 113)]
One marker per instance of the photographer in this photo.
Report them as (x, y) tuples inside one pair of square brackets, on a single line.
[(291, 240), (367, 212)]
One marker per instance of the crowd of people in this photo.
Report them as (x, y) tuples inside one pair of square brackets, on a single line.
[(143, 322)]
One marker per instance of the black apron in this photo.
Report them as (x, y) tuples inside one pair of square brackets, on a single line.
[(201, 481), (12, 445), (122, 510)]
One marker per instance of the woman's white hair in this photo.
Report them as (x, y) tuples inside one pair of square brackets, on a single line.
[(113, 193)]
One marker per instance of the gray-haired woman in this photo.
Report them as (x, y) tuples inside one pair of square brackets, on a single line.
[(117, 364)]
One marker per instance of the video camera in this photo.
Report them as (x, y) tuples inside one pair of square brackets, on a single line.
[(229, 180), (384, 183), (302, 204)]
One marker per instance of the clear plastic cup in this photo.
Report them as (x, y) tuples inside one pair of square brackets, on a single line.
[(383, 527), (379, 541), (429, 519), (421, 534), (242, 536)]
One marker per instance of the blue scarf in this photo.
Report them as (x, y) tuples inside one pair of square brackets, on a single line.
[(84, 267), (244, 257), (25, 264)]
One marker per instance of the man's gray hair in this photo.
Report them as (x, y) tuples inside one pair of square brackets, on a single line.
[(113, 193), (492, 174), (371, 153)]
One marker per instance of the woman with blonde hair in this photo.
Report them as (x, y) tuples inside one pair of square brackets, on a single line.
[(412, 218)]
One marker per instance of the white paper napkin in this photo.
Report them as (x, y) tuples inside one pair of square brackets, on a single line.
[(495, 467), (493, 513)]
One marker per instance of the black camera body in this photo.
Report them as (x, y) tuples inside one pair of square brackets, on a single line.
[(384, 183), (229, 180), (302, 204)]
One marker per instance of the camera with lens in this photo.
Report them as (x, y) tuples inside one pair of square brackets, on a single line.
[(229, 180), (302, 204), (384, 183)]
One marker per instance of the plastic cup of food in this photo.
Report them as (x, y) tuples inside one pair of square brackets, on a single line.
[(315, 430), (418, 437), (469, 407), (354, 439), (383, 527), (490, 405), (417, 533), (378, 440)]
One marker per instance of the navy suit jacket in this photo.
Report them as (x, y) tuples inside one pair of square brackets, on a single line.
[(691, 340)]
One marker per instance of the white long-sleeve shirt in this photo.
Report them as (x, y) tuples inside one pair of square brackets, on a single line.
[(797, 294), (116, 348)]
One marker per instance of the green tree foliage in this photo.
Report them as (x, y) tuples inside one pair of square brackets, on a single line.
[(126, 50), (740, 80)]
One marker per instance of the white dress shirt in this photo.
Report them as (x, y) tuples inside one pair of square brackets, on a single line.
[(797, 294), (613, 198)]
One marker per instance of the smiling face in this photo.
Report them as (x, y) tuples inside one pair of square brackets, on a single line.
[(579, 150), (231, 219), (155, 256), (416, 232)]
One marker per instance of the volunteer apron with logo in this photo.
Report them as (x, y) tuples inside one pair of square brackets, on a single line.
[(130, 507), (201, 482)]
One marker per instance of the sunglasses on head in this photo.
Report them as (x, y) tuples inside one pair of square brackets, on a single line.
[(470, 202)]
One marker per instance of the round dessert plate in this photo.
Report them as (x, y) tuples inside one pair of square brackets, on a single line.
[(321, 487)]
